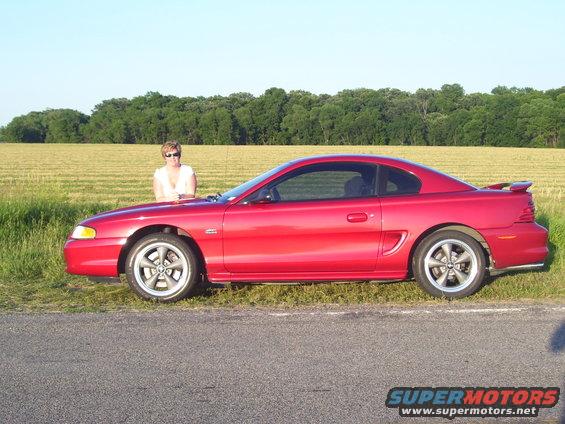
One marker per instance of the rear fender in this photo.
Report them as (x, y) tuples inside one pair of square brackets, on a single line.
[(455, 227)]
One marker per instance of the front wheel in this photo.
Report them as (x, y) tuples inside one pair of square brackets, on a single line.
[(161, 267), (449, 264)]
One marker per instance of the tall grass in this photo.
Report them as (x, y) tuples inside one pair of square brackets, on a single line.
[(32, 233), (32, 277)]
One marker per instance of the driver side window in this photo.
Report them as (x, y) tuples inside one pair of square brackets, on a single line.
[(323, 182)]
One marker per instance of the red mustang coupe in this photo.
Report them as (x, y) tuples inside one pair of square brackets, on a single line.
[(325, 218)]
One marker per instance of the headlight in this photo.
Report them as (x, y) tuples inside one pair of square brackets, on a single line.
[(83, 233)]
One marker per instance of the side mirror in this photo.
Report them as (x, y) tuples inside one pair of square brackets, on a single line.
[(261, 200)]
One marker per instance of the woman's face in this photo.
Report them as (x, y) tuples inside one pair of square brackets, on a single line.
[(172, 157)]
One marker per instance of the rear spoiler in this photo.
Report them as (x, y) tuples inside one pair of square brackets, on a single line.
[(519, 186)]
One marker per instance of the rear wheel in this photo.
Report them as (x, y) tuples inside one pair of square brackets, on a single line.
[(162, 267), (449, 264)]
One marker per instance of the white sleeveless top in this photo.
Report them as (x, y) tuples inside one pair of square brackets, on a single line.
[(168, 190)]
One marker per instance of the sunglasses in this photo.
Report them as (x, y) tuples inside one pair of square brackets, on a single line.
[(172, 155)]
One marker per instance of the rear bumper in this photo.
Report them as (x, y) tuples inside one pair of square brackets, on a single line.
[(96, 257), (520, 244)]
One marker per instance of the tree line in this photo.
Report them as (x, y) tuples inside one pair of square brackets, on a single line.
[(505, 117)]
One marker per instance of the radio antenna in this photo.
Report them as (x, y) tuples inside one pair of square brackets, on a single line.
[(226, 165)]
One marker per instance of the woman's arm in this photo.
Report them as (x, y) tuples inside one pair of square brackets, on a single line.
[(191, 187), (157, 190)]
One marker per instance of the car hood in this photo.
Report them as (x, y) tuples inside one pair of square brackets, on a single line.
[(148, 209)]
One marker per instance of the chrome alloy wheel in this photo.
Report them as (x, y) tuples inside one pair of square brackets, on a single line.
[(161, 269), (451, 265)]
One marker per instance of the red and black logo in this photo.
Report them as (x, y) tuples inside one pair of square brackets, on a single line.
[(451, 402)]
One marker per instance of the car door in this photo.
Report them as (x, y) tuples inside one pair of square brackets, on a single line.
[(318, 218)]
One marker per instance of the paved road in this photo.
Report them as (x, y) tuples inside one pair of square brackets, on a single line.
[(266, 365)]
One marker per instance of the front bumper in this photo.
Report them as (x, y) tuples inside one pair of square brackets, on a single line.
[(96, 257)]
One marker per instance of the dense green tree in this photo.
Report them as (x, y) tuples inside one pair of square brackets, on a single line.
[(64, 126), (502, 116), (268, 113), (184, 127), (425, 103), (438, 129), (542, 121), (505, 117), (303, 98), (302, 126), (404, 122), (238, 100), (246, 131), (328, 117), (367, 128), (216, 126), (555, 92), (474, 130), (107, 123), (449, 97), (30, 128)]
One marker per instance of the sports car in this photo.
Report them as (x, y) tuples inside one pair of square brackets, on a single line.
[(323, 218)]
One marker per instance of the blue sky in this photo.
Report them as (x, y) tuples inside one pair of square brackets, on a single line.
[(70, 54)]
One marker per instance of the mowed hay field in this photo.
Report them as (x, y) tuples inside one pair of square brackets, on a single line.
[(46, 189)]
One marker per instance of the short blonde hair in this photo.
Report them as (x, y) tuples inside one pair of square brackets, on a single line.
[(170, 145)]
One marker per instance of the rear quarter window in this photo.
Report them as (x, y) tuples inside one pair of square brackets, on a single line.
[(394, 181)]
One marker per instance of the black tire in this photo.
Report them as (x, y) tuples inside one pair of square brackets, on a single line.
[(451, 279), (162, 267)]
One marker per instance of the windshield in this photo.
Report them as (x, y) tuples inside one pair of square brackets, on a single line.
[(239, 190)]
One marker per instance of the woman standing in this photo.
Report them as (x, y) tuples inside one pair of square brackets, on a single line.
[(173, 181)]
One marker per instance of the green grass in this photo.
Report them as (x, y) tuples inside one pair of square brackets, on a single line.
[(37, 214), (32, 277)]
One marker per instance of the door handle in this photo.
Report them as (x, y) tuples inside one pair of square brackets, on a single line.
[(357, 217)]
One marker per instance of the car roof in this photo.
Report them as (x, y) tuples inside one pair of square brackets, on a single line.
[(433, 181), (350, 157)]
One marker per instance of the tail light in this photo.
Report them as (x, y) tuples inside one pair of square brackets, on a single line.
[(528, 214)]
